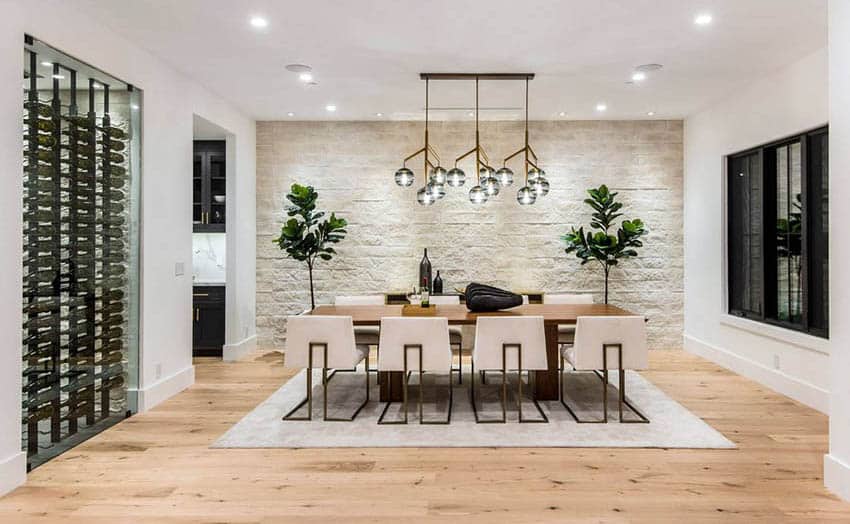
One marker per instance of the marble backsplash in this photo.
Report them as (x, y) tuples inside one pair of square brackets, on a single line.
[(208, 258)]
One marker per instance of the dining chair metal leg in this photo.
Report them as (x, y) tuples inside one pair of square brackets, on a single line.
[(603, 378), (479, 420), (522, 420), (326, 379), (459, 363), (504, 418), (405, 379), (309, 399), (421, 400)]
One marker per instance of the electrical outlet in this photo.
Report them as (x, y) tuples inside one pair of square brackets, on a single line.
[(775, 361), (158, 371), (179, 269)]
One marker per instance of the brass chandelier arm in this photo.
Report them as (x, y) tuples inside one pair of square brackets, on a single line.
[(413, 155)]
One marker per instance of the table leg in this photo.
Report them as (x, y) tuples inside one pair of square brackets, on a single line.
[(546, 382), (391, 386)]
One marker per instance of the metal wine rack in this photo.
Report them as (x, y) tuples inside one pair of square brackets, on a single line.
[(75, 287)]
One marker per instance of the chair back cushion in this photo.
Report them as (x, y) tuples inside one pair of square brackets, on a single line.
[(431, 332), (448, 300), (593, 332), (492, 332), (335, 331), (360, 300), (568, 298)]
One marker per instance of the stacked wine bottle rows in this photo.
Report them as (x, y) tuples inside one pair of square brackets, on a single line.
[(74, 267)]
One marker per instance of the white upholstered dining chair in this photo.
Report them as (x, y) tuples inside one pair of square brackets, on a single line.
[(455, 332), (566, 332), (605, 343), (411, 344), (314, 341), (509, 344)]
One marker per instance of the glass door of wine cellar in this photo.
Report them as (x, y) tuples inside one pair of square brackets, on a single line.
[(81, 157)]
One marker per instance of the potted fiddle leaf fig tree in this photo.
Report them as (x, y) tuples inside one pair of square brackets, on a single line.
[(598, 244), (303, 236)]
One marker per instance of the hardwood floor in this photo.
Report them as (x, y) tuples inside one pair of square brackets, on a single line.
[(157, 467)]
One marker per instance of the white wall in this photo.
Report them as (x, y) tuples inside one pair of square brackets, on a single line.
[(791, 100), (837, 463), (170, 100)]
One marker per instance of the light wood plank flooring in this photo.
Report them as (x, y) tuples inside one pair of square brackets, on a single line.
[(157, 467)]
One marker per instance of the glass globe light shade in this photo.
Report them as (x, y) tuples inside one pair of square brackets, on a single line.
[(477, 195), (526, 196), (533, 173), (423, 196), (455, 177), (437, 191), (491, 185), (404, 177), (505, 176), (438, 176), (539, 185)]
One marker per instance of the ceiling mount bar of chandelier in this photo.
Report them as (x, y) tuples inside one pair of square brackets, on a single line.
[(489, 182)]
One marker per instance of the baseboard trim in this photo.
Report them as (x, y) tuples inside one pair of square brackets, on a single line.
[(233, 352), (163, 389), (13, 472), (836, 476), (800, 390)]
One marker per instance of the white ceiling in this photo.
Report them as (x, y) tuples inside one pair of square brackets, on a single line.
[(366, 54)]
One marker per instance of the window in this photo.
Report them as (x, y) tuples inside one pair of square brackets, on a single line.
[(778, 234)]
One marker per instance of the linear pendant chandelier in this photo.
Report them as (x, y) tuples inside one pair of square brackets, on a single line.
[(488, 182)]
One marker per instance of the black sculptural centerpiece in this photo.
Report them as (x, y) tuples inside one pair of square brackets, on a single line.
[(482, 298)]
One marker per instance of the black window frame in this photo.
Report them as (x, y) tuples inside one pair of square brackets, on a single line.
[(766, 275)]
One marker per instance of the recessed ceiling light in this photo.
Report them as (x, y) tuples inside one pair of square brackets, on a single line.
[(470, 114), (134, 106), (330, 107), (650, 113), (703, 19), (47, 64), (259, 22), (638, 76), (298, 68), (59, 77), (562, 113), (290, 114), (601, 107), (306, 77), (379, 114)]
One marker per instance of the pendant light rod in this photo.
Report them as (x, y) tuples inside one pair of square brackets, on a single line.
[(426, 149)]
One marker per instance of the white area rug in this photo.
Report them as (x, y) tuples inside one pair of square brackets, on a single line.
[(671, 425)]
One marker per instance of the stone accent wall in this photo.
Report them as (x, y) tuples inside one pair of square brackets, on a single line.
[(351, 165)]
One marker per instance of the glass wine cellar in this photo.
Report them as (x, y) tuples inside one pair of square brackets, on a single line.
[(81, 158)]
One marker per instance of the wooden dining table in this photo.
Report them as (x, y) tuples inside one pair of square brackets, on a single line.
[(545, 383)]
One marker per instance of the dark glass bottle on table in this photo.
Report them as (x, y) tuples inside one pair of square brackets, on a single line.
[(438, 284), (425, 272)]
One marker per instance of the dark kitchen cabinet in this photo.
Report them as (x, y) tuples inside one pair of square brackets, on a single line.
[(209, 184), (207, 320)]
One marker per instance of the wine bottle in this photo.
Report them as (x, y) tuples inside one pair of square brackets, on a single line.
[(41, 139), (115, 158), (425, 272), (425, 295), (115, 145), (41, 108), (41, 170), (438, 283), (116, 133), (78, 120), (42, 124)]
